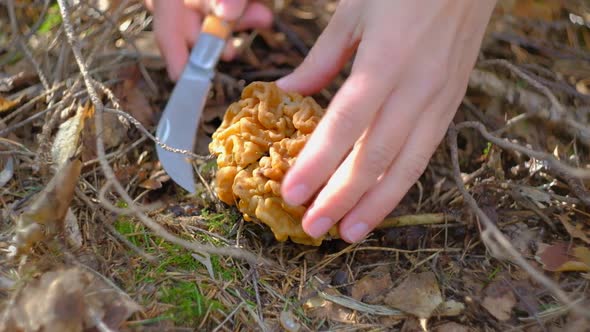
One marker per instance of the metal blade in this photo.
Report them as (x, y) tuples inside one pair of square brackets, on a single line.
[(180, 120), (178, 127)]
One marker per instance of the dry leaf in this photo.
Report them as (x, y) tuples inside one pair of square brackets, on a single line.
[(44, 217), (372, 287), (6, 105), (7, 172), (323, 309), (499, 300), (289, 321), (418, 295), (67, 300), (114, 132), (73, 234), (320, 308), (146, 44), (575, 232), (559, 257), (535, 9), (133, 99), (67, 139), (521, 237), (451, 327), (155, 180), (449, 308)]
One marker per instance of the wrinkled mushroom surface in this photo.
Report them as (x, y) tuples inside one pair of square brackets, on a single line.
[(258, 140)]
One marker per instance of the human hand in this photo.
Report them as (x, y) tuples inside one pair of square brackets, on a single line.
[(177, 24), (410, 73)]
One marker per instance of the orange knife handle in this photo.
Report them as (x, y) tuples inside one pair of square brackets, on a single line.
[(217, 27)]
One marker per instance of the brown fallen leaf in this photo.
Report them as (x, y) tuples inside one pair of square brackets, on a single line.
[(133, 99), (67, 139), (559, 257), (534, 9), (67, 300), (114, 133), (418, 295), (499, 300), (155, 180), (574, 231), (372, 287), (451, 327), (449, 308), (6, 105), (320, 308), (44, 217), (521, 237), (7, 166)]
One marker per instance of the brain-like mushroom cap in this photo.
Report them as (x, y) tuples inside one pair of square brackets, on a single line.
[(258, 140)]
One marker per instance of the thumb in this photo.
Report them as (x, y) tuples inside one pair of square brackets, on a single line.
[(333, 48)]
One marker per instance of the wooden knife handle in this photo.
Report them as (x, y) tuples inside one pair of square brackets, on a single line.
[(217, 27)]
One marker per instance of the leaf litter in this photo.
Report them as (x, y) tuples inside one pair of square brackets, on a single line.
[(434, 270)]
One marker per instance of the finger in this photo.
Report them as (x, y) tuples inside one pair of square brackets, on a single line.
[(230, 51), (172, 43), (230, 10), (256, 16), (330, 52), (351, 111), (149, 4), (369, 159), (191, 24), (405, 171)]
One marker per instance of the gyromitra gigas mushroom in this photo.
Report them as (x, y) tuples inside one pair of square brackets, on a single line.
[(257, 142)]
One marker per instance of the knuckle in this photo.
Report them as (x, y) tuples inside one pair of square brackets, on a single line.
[(437, 72), (414, 167), (378, 159), (342, 122)]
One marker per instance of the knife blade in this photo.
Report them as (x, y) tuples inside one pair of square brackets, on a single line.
[(180, 120)]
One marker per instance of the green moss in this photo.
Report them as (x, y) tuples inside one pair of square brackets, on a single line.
[(52, 19), (189, 306), (486, 151)]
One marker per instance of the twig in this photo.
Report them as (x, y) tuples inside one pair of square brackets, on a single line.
[(291, 36), (534, 103), (108, 171), (495, 241), (556, 111), (552, 162), (23, 46), (164, 146), (415, 220), (114, 232)]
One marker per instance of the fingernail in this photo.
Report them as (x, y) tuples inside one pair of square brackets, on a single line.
[(356, 232), (320, 226), (296, 195), (228, 10)]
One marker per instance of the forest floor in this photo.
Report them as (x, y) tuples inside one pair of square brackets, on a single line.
[(495, 236)]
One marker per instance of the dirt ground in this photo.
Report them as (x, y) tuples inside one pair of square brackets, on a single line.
[(94, 236)]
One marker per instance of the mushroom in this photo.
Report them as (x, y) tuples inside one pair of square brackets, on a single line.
[(257, 142)]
